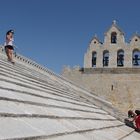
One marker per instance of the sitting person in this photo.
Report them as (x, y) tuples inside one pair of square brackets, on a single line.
[(9, 45), (137, 120), (133, 117)]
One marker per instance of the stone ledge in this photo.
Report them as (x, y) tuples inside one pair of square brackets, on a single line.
[(133, 70)]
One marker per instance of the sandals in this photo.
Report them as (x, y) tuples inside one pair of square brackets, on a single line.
[(12, 62)]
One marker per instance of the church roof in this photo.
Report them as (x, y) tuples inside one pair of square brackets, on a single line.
[(96, 38), (135, 35), (114, 24)]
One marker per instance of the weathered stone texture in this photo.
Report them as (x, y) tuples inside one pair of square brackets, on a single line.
[(120, 86)]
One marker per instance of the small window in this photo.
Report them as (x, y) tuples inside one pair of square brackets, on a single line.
[(114, 37), (136, 39), (94, 55)]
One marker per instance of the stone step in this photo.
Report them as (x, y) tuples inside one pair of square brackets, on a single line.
[(30, 71), (42, 116), (49, 90), (36, 127), (11, 106), (37, 71), (39, 96), (38, 100), (31, 86), (107, 134), (92, 96), (132, 136), (27, 89), (47, 85), (20, 71), (66, 85), (98, 134)]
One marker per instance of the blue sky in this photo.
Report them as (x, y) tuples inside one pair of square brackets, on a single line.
[(55, 33)]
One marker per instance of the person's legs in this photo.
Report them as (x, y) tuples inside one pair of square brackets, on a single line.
[(129, 123), (8, 53)]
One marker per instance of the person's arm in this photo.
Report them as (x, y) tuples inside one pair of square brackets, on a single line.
[(135, 116)]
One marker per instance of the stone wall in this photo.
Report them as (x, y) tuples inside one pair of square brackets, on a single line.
[(121, 86)]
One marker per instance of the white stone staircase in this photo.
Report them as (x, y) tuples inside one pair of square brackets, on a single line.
[(36, 103)]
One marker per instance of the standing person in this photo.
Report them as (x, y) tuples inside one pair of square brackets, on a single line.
[(9, 45)]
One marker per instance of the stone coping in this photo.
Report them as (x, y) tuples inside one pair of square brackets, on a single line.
[(133, 70)]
